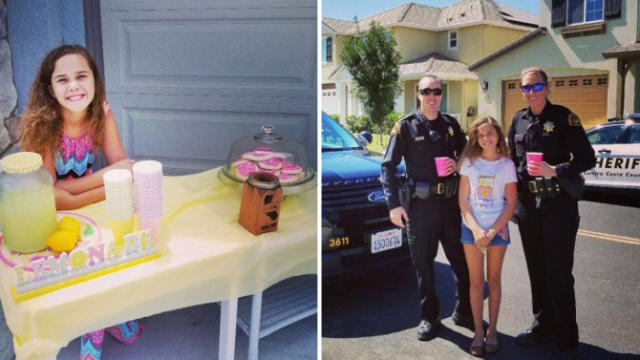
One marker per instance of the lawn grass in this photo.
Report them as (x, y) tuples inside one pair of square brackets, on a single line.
[(376, 146)]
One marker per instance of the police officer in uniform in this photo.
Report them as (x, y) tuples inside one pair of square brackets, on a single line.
[(547, 213), (430, 211)]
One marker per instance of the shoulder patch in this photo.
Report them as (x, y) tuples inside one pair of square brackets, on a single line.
[(573, 120), (396, 128)]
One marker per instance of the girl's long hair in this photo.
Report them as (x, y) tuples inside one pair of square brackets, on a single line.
[(41, 125), (473, 150)]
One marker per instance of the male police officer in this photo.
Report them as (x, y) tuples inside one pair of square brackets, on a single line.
[(433, 205), (548, 194)]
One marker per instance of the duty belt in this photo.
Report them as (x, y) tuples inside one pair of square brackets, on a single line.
[(545, 188), (446, 188)]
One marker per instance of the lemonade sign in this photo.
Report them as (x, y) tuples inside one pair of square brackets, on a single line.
[(55, 272)]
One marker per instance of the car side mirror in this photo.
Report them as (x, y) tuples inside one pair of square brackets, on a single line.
[(365, 137)]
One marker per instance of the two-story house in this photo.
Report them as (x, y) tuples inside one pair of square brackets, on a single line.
[(440, 41), (589, 48)]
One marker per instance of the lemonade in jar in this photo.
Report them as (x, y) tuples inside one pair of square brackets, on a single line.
[(27, 203)]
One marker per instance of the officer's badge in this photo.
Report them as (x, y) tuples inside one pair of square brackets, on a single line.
[(548, 127), (450, 131), (396, 129), (574, 120)]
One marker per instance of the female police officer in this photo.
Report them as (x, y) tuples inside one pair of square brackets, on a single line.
[(433, 213), (548, 194)]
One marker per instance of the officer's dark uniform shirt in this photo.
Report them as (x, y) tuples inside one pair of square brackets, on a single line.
[(419, 141), (556, 132)]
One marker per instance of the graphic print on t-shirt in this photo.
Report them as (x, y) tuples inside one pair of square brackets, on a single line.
[(484, 193)]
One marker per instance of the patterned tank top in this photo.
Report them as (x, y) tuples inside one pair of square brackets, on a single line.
[(74, 157)]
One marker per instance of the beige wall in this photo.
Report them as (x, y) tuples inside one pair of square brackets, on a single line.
[(413, 43), (567, 57), (470, 43), (497, 37), (328, 68), (586, 52), (455, 97), (476, 42), (410, 95)]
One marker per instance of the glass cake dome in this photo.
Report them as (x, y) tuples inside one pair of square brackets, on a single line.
[(268, 151)]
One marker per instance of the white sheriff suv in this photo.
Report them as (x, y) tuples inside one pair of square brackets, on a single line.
[(617, 147)]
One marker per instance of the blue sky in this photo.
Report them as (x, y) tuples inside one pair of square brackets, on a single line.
[(347, 9)]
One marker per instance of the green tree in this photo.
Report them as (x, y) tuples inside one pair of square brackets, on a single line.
[(374, 65)]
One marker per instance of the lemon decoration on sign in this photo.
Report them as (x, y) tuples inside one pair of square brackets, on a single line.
[(69, 223), (65, 239), (62, 240)]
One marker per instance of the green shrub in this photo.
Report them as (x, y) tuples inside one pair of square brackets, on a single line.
[(356, 124)]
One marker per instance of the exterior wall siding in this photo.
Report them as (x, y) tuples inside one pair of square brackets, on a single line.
[(413, 43)]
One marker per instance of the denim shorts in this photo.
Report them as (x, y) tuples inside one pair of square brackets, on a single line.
[(467, 237)]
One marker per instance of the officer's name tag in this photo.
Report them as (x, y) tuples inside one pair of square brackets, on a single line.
[(419, 138)]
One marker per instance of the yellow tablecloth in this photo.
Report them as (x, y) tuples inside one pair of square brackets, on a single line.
[(209, 257)]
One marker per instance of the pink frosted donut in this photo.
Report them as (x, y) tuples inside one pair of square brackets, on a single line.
[(257, 155), (245, 169), (239, 162), (272, 164), (286, 179), (290, 168), (279, 155)]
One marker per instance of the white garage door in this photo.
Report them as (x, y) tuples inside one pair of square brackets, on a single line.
[(187, 78)]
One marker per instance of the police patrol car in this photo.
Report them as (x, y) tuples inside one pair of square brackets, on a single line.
[(617, 147), (357, 235)]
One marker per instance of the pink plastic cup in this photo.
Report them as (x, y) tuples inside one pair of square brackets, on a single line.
[(533, 156), (441, 166)]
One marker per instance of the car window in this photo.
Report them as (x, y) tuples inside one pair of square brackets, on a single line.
[(634, 136), (335, 137), (605, 134)]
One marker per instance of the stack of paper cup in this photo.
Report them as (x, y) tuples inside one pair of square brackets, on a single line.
[(118, 190), (147, 179)]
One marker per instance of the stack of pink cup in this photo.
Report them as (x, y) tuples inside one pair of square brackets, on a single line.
[(118, 190), (147, 179)]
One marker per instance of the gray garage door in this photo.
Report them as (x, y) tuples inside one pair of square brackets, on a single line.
[(187, 78)]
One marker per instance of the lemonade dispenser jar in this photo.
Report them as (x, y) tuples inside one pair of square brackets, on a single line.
[(27, 203)]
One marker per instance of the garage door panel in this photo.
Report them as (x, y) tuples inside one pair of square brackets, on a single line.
[(157, 132), (263, 57), (187, 78)]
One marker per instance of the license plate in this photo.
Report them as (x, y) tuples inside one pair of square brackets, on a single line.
[(386, 240)]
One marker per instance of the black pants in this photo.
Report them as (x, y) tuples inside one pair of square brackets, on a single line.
[(432, 220), (548, 239)]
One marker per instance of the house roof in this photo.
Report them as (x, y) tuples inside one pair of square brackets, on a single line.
[(428, 17), (434, 63), (437, 64), (623, 51), (523, 40)]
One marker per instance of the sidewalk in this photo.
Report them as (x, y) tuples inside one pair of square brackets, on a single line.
[(192, 334)]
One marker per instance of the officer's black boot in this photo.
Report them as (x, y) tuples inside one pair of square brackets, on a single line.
[(427, 329)]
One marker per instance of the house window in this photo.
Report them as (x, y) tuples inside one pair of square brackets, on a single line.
[(602, 81), (511, 86), (559, 83), (453, 40), (573, 82), (586, 81), (327, 49), (579, 11)]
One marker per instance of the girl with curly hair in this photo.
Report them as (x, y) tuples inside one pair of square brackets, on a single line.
[(67, 120)]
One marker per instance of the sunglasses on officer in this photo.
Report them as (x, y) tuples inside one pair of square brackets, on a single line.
[(535, 87), (428, 91)]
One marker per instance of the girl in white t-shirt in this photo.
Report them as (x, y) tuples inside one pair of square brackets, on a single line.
[(488, 199)]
